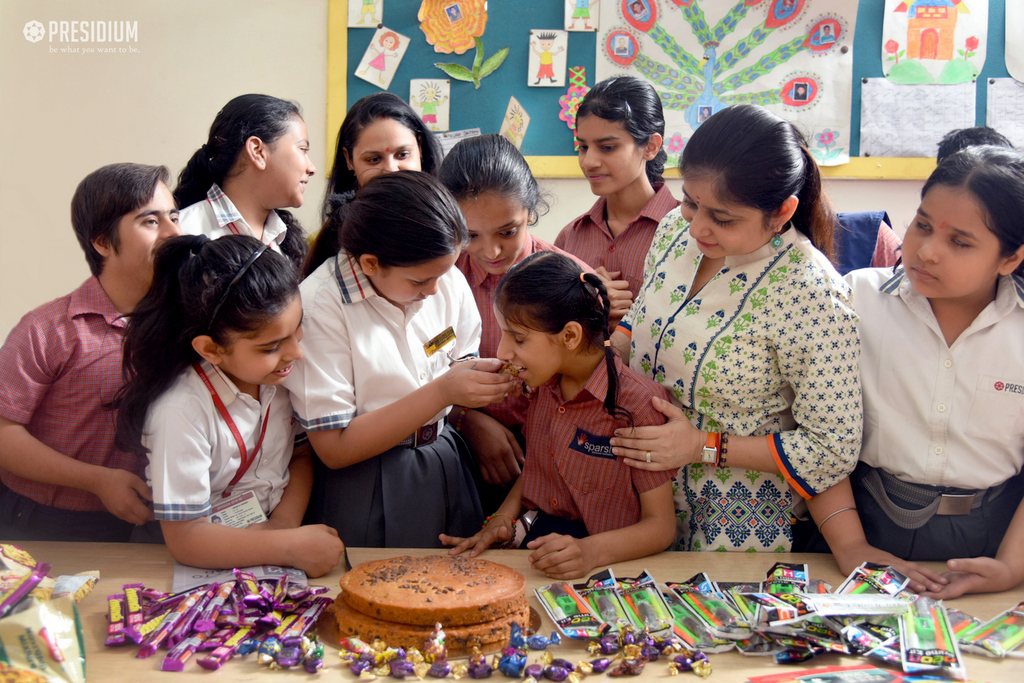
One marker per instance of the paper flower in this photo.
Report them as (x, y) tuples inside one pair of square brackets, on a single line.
[(453, 26), (675, 143)]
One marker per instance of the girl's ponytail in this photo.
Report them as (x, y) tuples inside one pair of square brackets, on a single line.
[(814, 216), (294, 244), (200, 287), (157, 323), (195, 179), (611, 398)]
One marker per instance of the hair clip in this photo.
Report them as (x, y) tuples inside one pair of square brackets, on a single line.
[(583, 278), (238, 276), (607, 342)]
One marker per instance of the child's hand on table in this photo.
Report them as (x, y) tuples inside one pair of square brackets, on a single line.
[(498, 530), (560, 557), (316, 549), (975, 575)]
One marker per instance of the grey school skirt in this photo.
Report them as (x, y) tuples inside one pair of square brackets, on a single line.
[(403, 498)]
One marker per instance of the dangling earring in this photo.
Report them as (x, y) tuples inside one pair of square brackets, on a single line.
[(777, 241)]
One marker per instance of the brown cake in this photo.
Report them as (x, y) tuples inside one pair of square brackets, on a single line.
[(400, 599)]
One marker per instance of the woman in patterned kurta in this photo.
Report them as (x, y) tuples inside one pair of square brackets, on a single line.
[(747, 323)]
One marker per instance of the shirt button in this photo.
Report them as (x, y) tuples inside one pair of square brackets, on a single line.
[(423, 375), (554, 501), (938, 450), (611, 248), (948, 363), (942, 407), (561, 409)]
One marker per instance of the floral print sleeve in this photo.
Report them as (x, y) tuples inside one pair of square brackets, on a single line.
[(768, 347)]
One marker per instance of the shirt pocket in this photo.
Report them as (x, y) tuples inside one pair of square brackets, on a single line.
[(997, 410), (589, 474)]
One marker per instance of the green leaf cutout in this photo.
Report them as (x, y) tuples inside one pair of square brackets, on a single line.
[(456, 71)]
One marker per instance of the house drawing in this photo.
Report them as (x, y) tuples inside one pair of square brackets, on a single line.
[(930, 27)]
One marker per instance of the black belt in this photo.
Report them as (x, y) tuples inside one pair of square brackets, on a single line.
[(426, 434)]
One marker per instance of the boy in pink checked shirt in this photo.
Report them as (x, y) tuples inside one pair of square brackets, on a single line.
[(594, 510), (61, 366)]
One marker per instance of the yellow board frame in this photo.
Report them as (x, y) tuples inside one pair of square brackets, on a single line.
[(859, 168)]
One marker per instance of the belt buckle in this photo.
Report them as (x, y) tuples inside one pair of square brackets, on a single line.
[(955, 504), (424, 435)]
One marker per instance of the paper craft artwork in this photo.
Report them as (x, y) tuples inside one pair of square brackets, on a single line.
[(570, 101), (583, 15), (365, 13), (453, 25), (515, 123), (382, 57), (430, 98), (548, 52), (934, 41), (909, 120), (452, 138), (1014, 49), (1006, 108), (794, 57)]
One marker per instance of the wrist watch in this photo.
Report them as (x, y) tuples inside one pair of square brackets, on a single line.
[(709, 454)]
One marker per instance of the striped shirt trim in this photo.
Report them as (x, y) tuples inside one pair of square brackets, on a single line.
[(181, 512), (1018, 283), (892, 285), (352, 282), (320, 424), (798, 483)]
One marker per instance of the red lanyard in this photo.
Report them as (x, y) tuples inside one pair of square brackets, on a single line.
[(247, 460)]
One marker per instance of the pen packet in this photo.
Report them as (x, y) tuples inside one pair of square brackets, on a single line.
[(713, 609), (570, 613), (785, 577), (927, 640), (998, 636), (601, 593), (877, 578), (644, 603), (691, 630)]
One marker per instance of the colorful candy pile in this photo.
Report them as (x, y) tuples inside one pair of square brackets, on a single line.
[(222, 619), (631, 651)]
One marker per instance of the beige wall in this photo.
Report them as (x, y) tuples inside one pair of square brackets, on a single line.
[(64, 115)]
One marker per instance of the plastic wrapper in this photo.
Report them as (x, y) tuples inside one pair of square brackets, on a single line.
[(927, 640), (570, 613), (646, 607), (999, 636), (600, 592), (45, 637)]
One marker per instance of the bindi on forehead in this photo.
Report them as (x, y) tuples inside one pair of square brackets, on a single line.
[(944, 225), (388, 150)]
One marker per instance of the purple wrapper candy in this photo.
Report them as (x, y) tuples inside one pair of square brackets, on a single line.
[(217, 639), (151, 594), (153, 643), (439, 669), (217, 657), (115, 620), (564, 663), (306, 619), (207, 619), (479, 670), (289, 657), (535, 671), (599, 665), (400, 668), (249, 589), (280, 590), (250, 615), (271, 619), (555, 673), (183, 629), (180, 653), (132, 610), (164, 604)]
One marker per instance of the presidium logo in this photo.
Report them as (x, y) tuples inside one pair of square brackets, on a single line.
[(34, 31), (90, 36)]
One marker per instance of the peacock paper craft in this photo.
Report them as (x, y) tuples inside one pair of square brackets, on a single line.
[(794, 57)]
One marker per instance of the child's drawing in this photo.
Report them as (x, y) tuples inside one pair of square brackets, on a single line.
[(547, 58), (365, 13), (794, 57), (430, 98), (515, 123), (934, 41), (382, 57), (582, 15)]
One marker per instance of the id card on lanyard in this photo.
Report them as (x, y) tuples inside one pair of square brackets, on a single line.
[(247, 458)]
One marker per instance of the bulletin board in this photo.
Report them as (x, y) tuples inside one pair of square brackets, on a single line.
[(548, 144)]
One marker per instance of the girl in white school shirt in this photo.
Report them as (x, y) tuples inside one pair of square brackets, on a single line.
[(204, 354), (254, 164), (385, 318), (942, 366)]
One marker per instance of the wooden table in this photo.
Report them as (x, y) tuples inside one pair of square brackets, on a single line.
[(152, 565)]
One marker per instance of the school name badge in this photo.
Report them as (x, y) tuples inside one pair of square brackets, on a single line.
[(591, 444), (439, 342)]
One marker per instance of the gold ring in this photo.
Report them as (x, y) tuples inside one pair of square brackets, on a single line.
[(648, 456)]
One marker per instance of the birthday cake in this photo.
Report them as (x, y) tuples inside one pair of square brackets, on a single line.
[(400, 599)]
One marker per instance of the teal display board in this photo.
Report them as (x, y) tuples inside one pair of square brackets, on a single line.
[(509, 23)]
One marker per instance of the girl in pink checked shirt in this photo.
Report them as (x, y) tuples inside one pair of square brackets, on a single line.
[(593, 510)]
